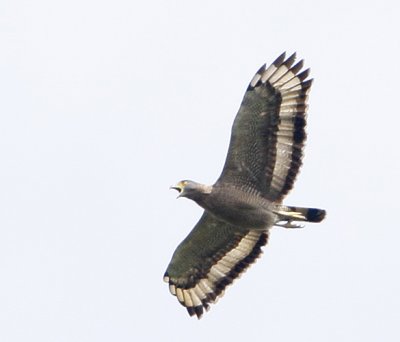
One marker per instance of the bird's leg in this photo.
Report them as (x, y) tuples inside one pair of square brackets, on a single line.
[(289, 224), (286, 218)]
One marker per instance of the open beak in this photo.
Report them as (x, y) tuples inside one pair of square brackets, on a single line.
[(178, 188)]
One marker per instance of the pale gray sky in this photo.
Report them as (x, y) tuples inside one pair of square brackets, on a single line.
[(105, 104)]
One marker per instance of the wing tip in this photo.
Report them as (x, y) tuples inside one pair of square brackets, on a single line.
[(195, 311), (280, 59), (255, 81), (166, 278), (290, 60), (197, 308), (282, 73)]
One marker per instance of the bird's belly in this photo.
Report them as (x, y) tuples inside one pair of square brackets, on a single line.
[(244, 215)]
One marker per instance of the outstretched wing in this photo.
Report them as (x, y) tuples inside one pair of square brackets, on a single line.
[(209, 259), (268, 133)]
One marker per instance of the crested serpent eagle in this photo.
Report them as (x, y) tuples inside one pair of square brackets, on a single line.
[(264, 157)]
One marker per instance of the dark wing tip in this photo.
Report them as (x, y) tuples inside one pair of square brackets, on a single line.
[(304, 74), (255, 81), (297, 67), (199, 311), (307, 84), (195, 298), (281, 58), (262, 69), (290, 60)]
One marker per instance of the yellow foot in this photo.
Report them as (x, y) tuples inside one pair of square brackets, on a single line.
[(289, 224)]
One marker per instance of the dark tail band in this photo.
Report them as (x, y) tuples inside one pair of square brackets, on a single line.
[(302, 214)]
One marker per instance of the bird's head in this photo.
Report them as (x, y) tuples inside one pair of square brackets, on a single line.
[(190, 189)]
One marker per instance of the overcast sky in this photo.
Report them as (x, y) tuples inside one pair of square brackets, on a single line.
[(105, 104)]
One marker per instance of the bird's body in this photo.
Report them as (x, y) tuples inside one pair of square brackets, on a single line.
[(264, 157), (238, 207)]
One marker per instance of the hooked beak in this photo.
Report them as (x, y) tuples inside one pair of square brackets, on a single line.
[(178, 187)]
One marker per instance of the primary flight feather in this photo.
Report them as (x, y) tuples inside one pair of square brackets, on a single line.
[(264, 157)]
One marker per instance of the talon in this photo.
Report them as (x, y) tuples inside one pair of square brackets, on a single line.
[(289, 224)]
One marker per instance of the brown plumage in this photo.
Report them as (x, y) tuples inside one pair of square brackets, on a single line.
[(264, 157)]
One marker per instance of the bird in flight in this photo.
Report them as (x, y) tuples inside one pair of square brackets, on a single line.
[(264, 157)]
